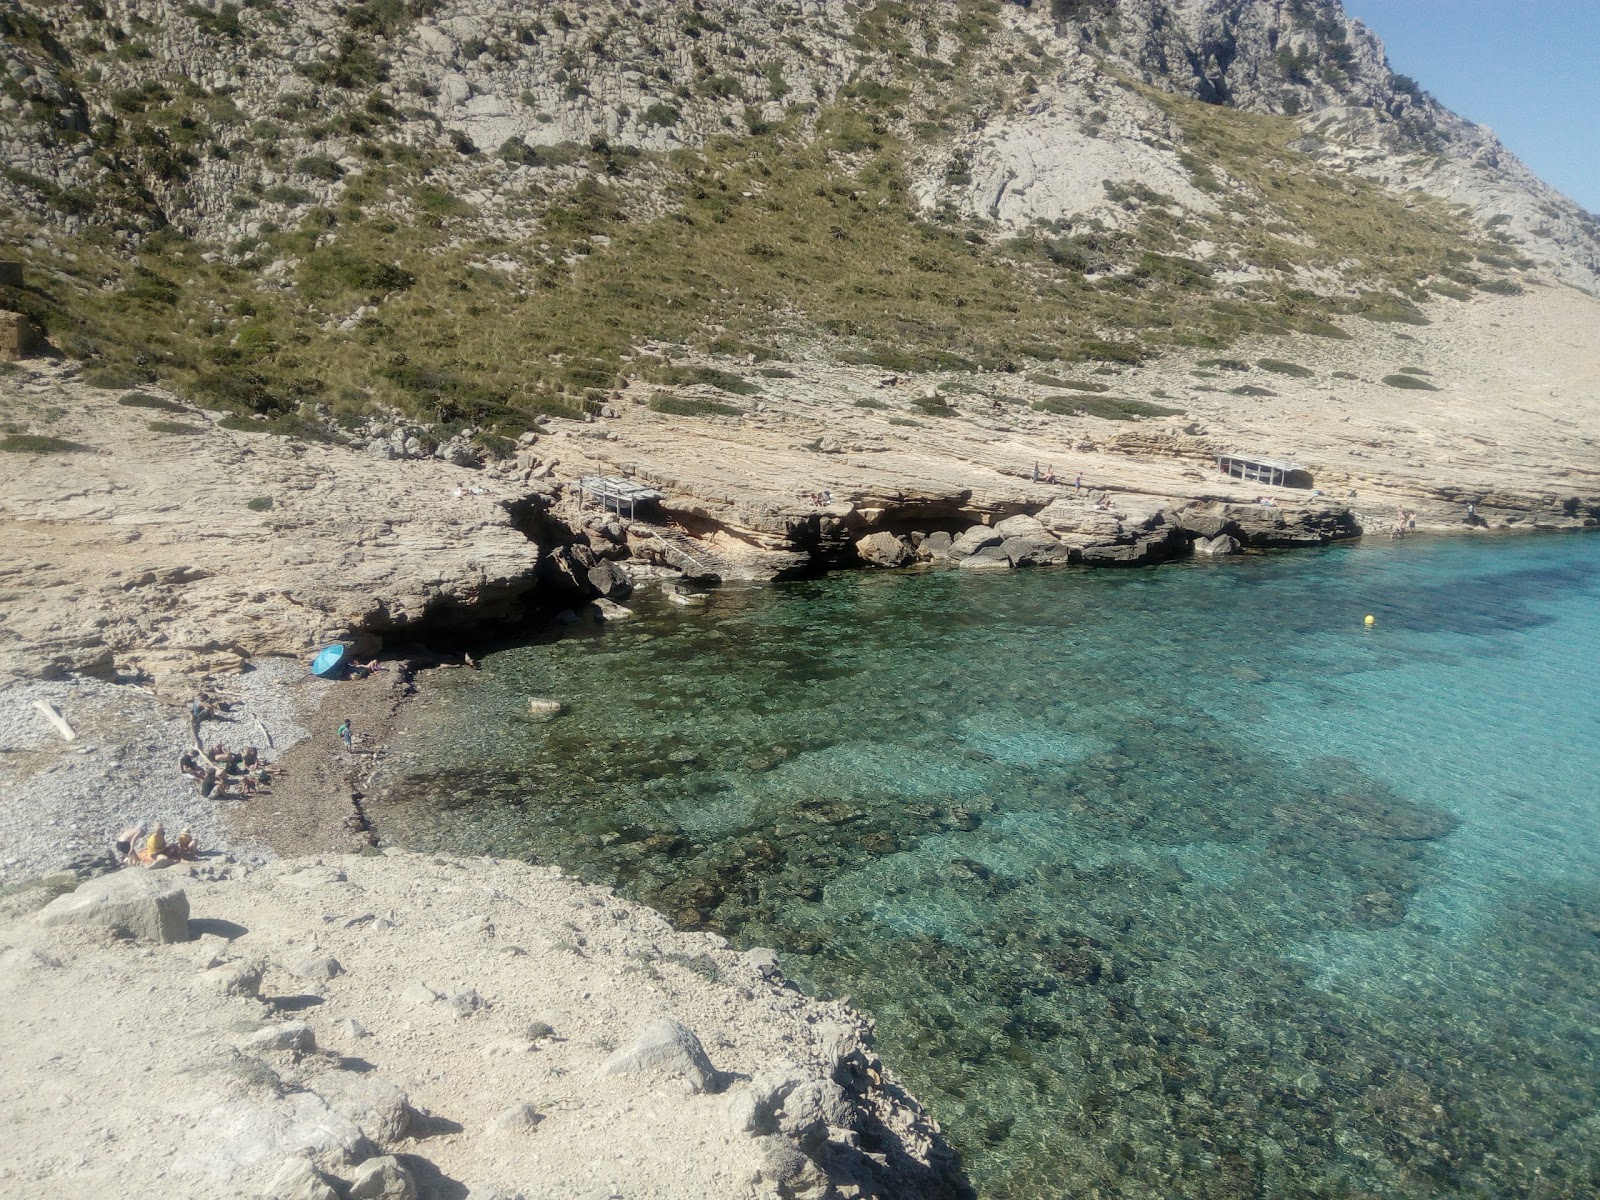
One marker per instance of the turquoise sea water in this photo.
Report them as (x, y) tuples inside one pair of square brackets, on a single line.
[(1160, 883)]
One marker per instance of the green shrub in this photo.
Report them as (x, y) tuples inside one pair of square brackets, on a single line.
[(259, 504), (685, 406), (1110, 408), (1278, 367), (877, 404), (35, 443), (725, 381), (1069, 384), (142, 400), (173, 427), (1414, 371), (1502, 287), (662, 115), (1409, 383), (776, 372), (109, 378)]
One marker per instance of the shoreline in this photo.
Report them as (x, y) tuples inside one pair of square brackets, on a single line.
[(71, 798)]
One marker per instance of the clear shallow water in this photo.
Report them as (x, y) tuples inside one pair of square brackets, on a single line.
[(1160, 883)]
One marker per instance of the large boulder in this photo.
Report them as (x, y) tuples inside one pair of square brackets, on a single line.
[(1035, 550), (936, 545), (382, 1179), (1159, 546), (1216, 547), (1019, 526), (144, 905), (883, 549), (299, 1179), (609, 580), (991, 557), (377, 1107), (666, 1048), (970, 541), (811, 1108)]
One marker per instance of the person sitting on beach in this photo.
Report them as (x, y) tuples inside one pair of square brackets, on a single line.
[(128, 842), (153, 851), (250, 757), (185, 848), (189, 764), (208, 782)]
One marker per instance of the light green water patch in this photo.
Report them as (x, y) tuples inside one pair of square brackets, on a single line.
[(1168, 883)]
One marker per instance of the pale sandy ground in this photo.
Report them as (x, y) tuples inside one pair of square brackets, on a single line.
[(463, 988)]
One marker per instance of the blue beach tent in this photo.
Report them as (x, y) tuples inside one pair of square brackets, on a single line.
[(328, 661)]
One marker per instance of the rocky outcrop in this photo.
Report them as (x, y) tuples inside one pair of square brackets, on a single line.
[(528, 989)]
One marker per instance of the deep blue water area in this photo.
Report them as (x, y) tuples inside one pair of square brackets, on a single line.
[(1176, 882)]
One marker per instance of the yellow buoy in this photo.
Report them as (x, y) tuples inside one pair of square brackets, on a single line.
[(1370, 621)]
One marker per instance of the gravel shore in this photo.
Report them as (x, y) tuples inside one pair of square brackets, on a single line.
[(64, 802)]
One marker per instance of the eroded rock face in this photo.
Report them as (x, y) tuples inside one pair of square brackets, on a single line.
[(123, 570)]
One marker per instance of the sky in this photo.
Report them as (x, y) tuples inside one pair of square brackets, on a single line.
[(1528, 69)]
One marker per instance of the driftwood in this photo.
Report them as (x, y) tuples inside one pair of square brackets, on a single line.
[(53, 715)]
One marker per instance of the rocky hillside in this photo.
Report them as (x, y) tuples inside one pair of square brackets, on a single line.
[(475, 210)]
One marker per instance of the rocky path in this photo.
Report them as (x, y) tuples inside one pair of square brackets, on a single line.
[(398, 1026)]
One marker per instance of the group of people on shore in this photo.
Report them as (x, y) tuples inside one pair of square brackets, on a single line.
[(823, 499), (138, 847), (1048, 475), (225, 774), (1405, 521)]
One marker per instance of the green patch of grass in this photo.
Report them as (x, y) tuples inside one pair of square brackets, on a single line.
[(724, 381), (691, 406), (1224, 364), (35, 443), (907, 421), (173, 427), (1279, 367), (933, 406), (109, 378), (1409, 383), (1071, 385), (877, 404), (1502, 287), (259, 504), (1250, 389), (1389, 309), (144, 400), (776, 372), (1111, 408)]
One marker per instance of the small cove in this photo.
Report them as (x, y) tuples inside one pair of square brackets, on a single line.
[(1160, 883)]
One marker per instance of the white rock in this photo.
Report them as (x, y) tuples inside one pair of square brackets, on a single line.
[(130, 902), (516, 1121), (669, 1048), (293, 1036), (382, 1179), (299, 1179)]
